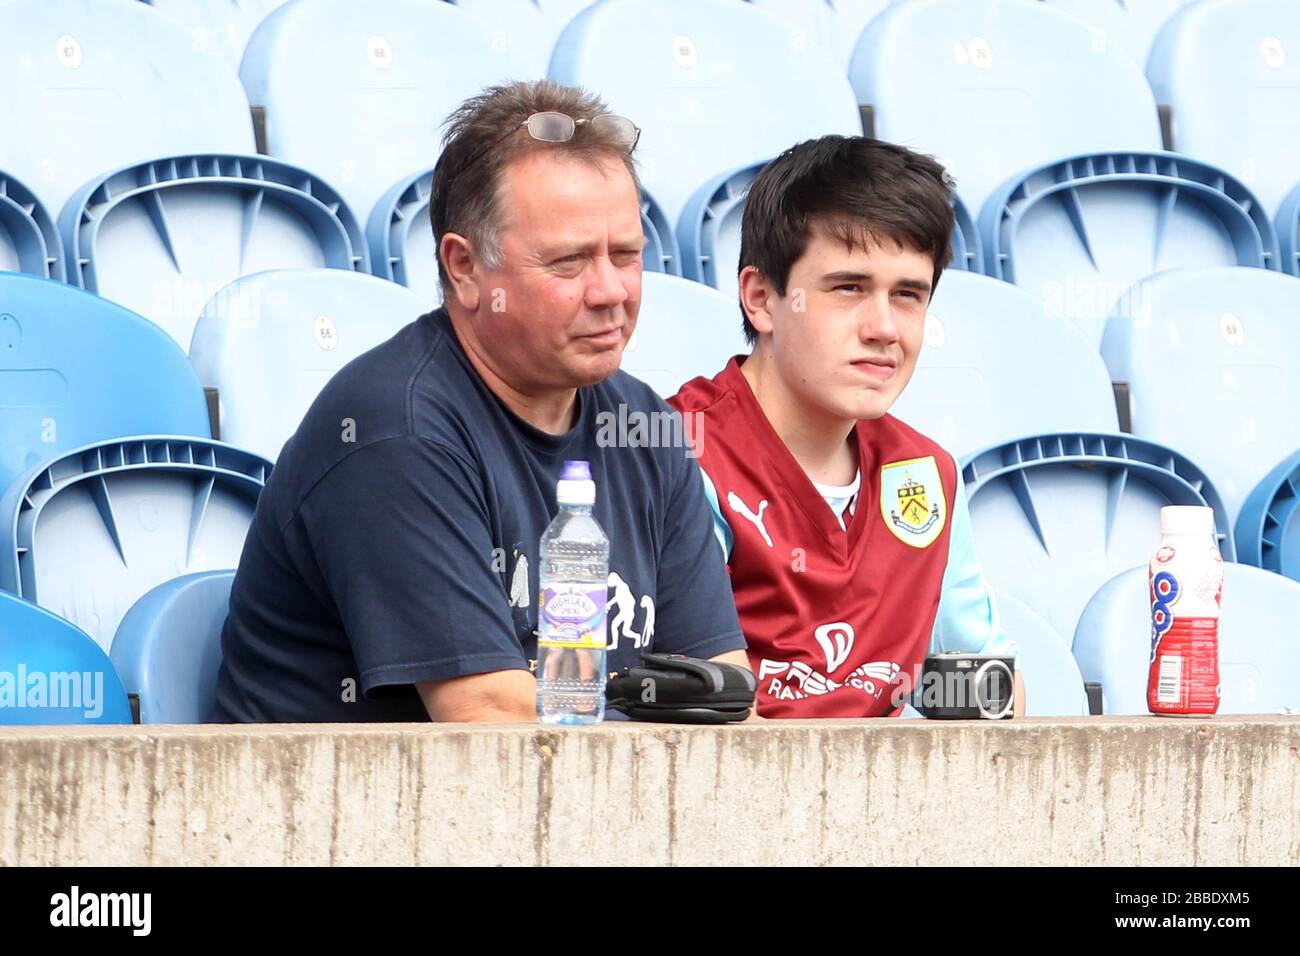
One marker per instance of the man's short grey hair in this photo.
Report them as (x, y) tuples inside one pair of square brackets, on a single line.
[(478, 145)]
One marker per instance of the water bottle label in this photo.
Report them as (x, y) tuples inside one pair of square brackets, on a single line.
[(573, 616)]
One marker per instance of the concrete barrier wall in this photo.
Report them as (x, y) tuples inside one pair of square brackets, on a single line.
[(1123, 791)]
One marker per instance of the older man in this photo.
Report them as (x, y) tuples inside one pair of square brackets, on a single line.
[(391, 570)]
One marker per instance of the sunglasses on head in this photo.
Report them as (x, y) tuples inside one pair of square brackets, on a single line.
[(552, 127)]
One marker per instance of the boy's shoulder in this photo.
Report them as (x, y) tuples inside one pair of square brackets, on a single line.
[(897, 429), (892, 437), (700, 394)]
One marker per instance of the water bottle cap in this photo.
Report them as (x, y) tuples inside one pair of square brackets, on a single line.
[(575, 486), (1186, 519), (576, 471)]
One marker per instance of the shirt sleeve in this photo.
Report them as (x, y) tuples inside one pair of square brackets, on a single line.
[(696, 611), (400, 533), (721, 530), (968, 618)]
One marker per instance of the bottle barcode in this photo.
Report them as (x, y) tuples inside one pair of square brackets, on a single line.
[(1171, 679)]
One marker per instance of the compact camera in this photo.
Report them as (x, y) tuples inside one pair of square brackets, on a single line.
[(957, 686)]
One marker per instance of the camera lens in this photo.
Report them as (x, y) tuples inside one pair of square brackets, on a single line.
[(994, 689)]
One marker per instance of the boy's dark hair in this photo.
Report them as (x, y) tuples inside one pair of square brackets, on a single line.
[(862, 191)]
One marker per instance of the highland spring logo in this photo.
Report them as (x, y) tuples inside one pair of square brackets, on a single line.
[(75, 690)]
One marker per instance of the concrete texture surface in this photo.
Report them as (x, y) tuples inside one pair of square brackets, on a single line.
[(1074, 791)]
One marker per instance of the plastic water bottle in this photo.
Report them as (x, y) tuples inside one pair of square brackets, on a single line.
[(1186, 589), (573, 592)]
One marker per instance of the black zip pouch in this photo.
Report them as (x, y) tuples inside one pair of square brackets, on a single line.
[(674, 689)]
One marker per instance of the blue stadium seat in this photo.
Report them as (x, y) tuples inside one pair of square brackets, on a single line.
[(90, 87), (53, 673), (661, 252), (1228, 71), (684, 329), (708, 232), (1268, 527), (1258, 641), (713, 86), (967, 250), (29, 238), (997, 87), (1210, 357), (161, 238), (1080, 232), (221, 25), (1053, 684), (269, 342), (996, 365), (357, 92), (91, 531), (1056, 516), (527, 28), (1288, 233), (168, 647), (1132, 25), (76, 369), (834, 25), (401, 238)]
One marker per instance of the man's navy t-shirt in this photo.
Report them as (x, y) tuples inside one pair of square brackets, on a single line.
[(396, 540)]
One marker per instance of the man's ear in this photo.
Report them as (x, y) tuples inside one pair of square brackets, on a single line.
[(757, 296), (461, 264)]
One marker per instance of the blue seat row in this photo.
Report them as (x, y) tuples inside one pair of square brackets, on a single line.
[(167, 651), (109, 484), (1091, 204), (1057, 513)]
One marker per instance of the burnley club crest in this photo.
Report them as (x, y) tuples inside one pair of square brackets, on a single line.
[(912, 501)]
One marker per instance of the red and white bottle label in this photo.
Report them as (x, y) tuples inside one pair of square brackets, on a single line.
[(1186, 585)]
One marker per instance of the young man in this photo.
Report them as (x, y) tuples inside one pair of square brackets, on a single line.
[(846, 532)]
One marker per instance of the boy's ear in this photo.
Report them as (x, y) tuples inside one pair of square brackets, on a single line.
[(757, 297)]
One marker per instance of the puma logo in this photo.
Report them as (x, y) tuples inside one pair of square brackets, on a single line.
[(738, 506)]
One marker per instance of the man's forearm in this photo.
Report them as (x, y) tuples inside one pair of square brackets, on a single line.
[(741, 659), (738, 657), (500, 697)]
